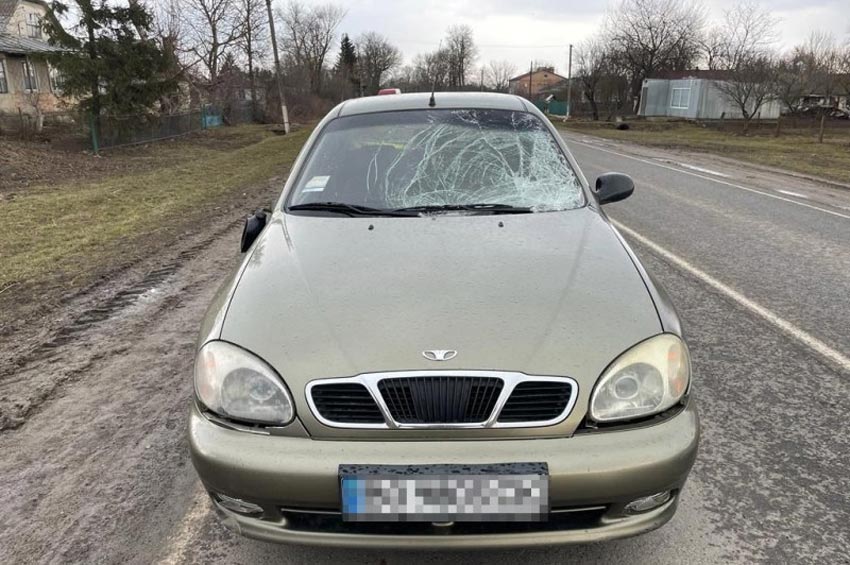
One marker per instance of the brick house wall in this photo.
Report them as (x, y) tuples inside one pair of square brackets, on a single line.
[(540, 79)]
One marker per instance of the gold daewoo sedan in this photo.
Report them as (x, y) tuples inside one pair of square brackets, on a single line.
[(437, 339)]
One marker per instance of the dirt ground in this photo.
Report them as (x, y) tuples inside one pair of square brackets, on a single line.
[(62, 240), (68, 347), (110, 466), (45, 320)]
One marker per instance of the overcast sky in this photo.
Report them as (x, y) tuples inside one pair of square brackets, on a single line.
[(522, 30)]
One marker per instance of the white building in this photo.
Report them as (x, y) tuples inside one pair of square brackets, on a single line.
[(694, 95)]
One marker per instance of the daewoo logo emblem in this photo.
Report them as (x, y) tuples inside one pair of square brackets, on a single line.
[(439, 354)]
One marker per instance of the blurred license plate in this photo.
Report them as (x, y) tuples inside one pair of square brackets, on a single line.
[(505, 492)]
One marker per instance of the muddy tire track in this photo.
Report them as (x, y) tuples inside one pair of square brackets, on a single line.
[(38, 360)]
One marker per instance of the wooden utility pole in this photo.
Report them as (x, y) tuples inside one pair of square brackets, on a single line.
[(822, 121), (570, 83), (278, 78), (530, 73)]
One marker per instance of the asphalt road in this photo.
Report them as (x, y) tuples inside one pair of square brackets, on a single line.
[(98, 472)]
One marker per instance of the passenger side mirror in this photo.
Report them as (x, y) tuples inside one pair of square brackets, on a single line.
[(254, 225), (613, 187)]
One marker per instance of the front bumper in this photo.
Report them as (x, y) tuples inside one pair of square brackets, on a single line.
[(592, 477)]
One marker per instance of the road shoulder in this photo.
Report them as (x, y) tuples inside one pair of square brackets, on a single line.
[(721, 168)]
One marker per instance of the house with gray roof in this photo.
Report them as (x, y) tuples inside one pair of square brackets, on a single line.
[(28, 84)]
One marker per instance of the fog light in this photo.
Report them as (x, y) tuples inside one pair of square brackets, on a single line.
[(648, 502), (237, 505)]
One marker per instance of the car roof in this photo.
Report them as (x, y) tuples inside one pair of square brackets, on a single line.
[(419, 101)]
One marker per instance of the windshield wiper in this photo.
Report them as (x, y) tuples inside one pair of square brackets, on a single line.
[(343, 208), (483, 208)]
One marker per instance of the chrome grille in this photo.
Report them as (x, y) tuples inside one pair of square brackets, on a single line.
[(442, 399)]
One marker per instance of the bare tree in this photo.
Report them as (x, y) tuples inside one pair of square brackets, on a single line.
[(821, 63), (308, 34), (791, 83), (747, 31), (424, 72), (462, 52), (377, 57), (213, 30), (844, 75), (499, 74), (655, 35), (253, 41), (751, 85), (591, 68), (168, 29), (711, 48), (614, 89), (747, 34), (405, 78)]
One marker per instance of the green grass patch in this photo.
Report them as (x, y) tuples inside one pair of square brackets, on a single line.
[(794, 149), (72, 228)]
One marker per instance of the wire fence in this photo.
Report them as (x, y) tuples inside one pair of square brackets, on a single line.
[(112, 131), (117, 131)]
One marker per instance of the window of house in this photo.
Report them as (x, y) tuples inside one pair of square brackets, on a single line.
[(57, 81), (33, 26), (680, 98), (4, 83), (30, 81)]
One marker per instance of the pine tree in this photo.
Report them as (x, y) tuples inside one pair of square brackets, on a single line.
[(347, 57), (110, 62), (346, 65)]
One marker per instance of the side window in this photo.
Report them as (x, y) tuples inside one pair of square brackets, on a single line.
[(57, 81), (4, 83), (680, 98), (30, 81), (33, 26)]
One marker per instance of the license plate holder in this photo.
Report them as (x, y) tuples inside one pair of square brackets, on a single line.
[(500, 492)]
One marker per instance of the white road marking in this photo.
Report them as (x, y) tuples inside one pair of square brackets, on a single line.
[(701, 170), (785, 326), (794, 194), (719, 181), (179, 543)]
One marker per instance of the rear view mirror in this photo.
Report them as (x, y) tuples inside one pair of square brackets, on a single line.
[(254, 225), (613, 187)]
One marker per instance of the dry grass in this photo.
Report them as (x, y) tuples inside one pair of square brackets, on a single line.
[(795, 149), (70, 229)]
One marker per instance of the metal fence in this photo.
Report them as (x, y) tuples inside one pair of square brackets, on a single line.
[(119, 131), (554, 107)]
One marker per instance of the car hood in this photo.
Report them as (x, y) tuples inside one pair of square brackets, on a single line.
[(547, 294)]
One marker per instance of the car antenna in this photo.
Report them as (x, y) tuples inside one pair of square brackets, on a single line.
[(431, 101)]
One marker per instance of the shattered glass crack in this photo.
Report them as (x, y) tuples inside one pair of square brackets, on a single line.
[(441, 157)]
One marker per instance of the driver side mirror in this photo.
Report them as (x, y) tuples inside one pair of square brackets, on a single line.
[(254, 225), (613, 187)]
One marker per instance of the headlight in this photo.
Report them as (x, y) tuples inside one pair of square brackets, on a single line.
[(647, 379), (236, 384)]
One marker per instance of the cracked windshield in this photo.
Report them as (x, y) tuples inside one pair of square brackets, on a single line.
[(440, 158)]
